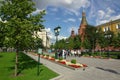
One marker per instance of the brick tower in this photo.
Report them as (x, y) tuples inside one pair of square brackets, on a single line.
[(82, 27), (72, 33)]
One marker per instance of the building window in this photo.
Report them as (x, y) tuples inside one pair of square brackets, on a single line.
[(118, 26), (106, 29)]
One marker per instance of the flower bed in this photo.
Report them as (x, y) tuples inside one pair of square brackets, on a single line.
[(74, 65), (52, 59), (64, 62)]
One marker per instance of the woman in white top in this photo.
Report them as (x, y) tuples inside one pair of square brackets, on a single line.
[(79, 53)]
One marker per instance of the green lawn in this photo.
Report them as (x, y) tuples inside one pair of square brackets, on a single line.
[(27, 68)]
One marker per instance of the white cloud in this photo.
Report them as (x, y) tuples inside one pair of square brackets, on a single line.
[(69, 20), (101, 14), (67, 12), (68, 1), (110, 11), (52, 36), (71, 5), (61, 37), (54, 9), (38, 11), (105, 16), (79, 19), (115, 17)]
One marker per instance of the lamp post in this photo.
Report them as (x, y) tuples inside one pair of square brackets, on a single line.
[(108, 36), (56, 31)]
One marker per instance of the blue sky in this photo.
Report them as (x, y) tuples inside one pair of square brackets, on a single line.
[(68, 13)]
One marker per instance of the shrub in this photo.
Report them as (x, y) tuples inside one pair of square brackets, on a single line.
[(53, 56), (73, 61), (60, 58), (118, 56), (43, 54), (47, 55)]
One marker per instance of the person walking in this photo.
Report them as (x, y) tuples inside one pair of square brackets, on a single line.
[(79, 52), (63, 54), (75, 53)]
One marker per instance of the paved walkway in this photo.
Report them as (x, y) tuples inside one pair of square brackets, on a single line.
[(99, 69)]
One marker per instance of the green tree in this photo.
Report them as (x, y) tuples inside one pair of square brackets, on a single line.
[(20, 25), (38, 43), (108, 38), (100, 38), (90, 32), (86, 44), (77, 42), (71, 43), (116, 41), (61, 44), (104, 39), (1, 34)]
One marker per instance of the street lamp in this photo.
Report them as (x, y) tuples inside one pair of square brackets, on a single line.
[(108, 36), (57, 30)]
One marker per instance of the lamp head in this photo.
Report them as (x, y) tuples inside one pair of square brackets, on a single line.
[(59, 28)]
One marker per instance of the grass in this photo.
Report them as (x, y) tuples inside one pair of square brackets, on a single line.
[(27, 68)]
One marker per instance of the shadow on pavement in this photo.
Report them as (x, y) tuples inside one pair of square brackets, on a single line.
[(109, 70)]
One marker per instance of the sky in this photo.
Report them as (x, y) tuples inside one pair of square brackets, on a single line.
[(68, 13)]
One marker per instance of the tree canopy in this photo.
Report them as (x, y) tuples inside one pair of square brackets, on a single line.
[(20, 23)]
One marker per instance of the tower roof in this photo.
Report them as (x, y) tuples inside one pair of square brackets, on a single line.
[(84, 21)]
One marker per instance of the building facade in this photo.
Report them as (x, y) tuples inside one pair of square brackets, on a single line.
[(113, 26), (45, 39)]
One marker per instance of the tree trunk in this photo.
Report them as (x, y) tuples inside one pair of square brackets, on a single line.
[(16, 63)]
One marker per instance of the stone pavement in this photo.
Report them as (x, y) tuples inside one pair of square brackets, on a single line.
[(98, 69)]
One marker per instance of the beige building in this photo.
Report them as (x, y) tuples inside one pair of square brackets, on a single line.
[(44, 36), (113, 26)]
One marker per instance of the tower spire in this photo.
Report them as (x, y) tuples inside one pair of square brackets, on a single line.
[(81, 30), (84, 21)]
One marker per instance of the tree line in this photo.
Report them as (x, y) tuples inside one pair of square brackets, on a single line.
[(93, 36)]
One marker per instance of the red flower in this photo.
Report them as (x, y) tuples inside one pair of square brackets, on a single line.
[(62, 62), (74, 65), (52, 59), (84, 65), (42, 56), (47, 58)]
